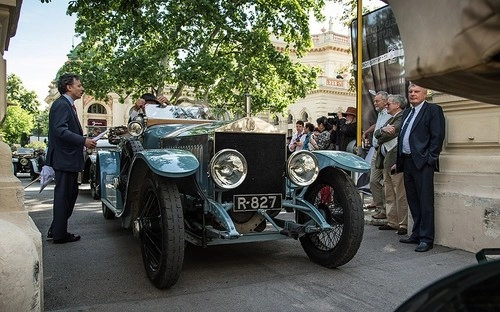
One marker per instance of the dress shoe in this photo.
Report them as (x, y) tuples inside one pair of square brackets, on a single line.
[(49, 234), (379, 216), (371, 207), (423, 247), (402, 231), (386, 228), (409, 240), (67, 239)]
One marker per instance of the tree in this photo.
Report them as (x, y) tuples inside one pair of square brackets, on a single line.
[(221, 49), (18, 95), (17, 126)]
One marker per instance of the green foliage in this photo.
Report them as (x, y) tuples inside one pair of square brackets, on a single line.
[(17, 126), (18, 95), (37, 145), (221, 49)]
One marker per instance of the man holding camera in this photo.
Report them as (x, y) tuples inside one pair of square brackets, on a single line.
[(298, 138)]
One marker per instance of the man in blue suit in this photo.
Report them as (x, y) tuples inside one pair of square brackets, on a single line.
[(65, 155), (419, 145)]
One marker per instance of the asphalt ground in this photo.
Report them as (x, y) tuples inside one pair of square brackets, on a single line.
[(104, 271)]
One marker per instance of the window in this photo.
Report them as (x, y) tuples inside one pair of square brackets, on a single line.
[(290, 119), (96, 109)]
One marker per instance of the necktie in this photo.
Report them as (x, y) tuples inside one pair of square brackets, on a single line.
[(407, 122)]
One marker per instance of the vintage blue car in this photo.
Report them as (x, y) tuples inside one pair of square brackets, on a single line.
[(179, 177)]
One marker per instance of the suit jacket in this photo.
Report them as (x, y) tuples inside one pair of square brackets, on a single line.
[(426, 137), (66, 140), (390, 158)]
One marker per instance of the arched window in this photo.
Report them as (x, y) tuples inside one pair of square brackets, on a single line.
[(290, 118), (276, 120), (96, 108), (305, 117)]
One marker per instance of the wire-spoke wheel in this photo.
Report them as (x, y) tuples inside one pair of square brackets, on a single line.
[(336, 197), (162, 231)]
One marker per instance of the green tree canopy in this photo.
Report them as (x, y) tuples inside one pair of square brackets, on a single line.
[(18, 95), (17, 125), (219, 49)]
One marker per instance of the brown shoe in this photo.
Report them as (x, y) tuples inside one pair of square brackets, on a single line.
[(379, 216), (402, 231), (371, 207)]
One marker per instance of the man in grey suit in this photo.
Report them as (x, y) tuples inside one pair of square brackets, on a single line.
[(419, 145), (65, 155), (395, 193)]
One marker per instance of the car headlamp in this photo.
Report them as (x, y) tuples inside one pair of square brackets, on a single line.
[(135, 128), (302, 168), (23, 161), (228, 168)]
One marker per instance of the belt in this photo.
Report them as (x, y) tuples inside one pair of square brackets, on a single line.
[(406, 155)]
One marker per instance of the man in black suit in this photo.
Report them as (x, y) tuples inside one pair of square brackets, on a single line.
[(65, 155), (420, 142)]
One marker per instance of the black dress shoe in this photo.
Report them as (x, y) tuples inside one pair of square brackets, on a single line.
[(402, 231), (49, 234), (67, 239), (386, 227), (409, 240), (423, 247)]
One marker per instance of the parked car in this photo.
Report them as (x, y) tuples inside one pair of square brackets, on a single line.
[(178, 178), (88, 175), (25, 160)]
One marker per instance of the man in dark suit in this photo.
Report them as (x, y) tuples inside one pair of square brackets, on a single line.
[(65, 155), (419, 145)]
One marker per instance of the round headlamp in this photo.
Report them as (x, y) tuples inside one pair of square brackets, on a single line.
[(228, 168), (302, 168), (135, 128), (23, 161)]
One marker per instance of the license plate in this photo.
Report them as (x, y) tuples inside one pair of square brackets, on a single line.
[(256, 201)]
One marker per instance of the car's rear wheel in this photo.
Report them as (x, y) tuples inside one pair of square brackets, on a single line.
[(33, 174), (107, 213), (95, 181), (335, 195), (161, 231)]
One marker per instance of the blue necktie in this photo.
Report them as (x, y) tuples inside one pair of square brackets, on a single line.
[(407, 122)]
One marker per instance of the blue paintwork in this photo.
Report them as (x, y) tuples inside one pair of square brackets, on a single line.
[(171, 163), (339, 159), (109, 166)]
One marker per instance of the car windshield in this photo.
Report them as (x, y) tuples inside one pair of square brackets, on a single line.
[(24, 150), (175, 112)]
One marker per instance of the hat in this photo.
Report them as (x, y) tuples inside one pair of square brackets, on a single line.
[(350, 111), (149, 97)]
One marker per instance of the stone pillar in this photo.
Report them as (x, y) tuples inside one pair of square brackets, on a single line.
[(21, 270)]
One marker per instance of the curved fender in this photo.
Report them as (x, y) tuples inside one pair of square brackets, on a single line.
[(340, 159), (34, 164), (171, 163)]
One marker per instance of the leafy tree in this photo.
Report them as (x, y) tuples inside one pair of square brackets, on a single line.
[(18, 95), (17, 126), (221, 49)]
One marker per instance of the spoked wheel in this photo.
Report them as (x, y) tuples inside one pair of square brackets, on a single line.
[(161, 231), (335, 195)]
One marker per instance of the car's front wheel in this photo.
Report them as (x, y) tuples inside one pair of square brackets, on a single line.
[(161, 231), (335, 195)]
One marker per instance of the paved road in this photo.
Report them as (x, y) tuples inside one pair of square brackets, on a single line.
[(104, 271)]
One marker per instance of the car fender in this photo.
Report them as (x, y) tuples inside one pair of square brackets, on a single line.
[(171, 163), (34, 164), (340, 159)]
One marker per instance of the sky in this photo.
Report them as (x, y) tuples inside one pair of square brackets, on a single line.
[(43, 39), (45, 36)]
